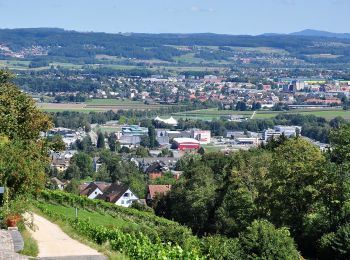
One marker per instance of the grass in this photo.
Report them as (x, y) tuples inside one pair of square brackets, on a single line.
[(30, 244), (214, 113), (93, 217), (81, 110), (208, 148), (98, 105), (112, 102), (104, 248)]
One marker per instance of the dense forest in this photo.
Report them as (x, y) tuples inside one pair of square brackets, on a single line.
[(288, 183)]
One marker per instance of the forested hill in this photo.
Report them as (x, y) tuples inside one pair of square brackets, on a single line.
[(53, 42)]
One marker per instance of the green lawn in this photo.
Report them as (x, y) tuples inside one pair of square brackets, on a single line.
[(93, 217)]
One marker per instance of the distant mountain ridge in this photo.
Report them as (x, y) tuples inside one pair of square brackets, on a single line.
[(317, 33), (314, 33)]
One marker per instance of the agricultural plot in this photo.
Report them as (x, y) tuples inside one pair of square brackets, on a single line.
[(210, 114), (98, 105)]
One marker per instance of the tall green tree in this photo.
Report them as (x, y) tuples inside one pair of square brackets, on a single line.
[(100, 141), (294, 183), (152, 137)]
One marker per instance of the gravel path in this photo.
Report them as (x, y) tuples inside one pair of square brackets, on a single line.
[(54, 243)]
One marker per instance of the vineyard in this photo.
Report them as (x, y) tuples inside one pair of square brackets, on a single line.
[(142, 235), (147, 236)]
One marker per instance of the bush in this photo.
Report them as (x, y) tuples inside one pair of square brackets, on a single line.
[(263, 241)]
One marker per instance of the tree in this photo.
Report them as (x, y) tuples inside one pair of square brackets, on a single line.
[(145, 142), (142, 152), (191, 199), (341, 242), (241, 106), (100, 141), (112, 142), (73, 186), (103, 174), (294, 181), (22, 168), (23, 153), (263, 241), (85, 144), (81, 162), (340, 142), (56, 143), (19, 116), (237, 209), (152, 137)]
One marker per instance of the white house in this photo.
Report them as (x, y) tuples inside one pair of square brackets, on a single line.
[(93, 189), (118, 194)]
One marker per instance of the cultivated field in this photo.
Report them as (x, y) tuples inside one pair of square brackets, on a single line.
[(210, 114), (98, 105)]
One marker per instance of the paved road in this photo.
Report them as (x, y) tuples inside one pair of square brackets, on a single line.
[(55, 244)]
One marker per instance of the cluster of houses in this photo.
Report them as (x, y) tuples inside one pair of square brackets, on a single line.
[(120, 194)]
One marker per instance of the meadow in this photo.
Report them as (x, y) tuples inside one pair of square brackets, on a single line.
[(213, 113), (98, 105)]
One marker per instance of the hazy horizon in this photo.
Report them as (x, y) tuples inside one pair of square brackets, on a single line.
[(241, 17)]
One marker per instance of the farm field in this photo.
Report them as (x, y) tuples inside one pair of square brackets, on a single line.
[(98, 105), (213, 113)]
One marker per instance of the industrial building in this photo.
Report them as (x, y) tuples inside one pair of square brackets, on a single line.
[(184, 143)]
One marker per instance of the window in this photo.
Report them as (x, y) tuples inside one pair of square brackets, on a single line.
[(126, 194), (122, 202)]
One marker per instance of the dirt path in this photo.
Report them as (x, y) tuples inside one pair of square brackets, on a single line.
[(53, 242)]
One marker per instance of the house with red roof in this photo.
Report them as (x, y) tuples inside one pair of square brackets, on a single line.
[(156, 190)]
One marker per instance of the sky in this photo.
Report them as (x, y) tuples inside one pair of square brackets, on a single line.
[(178, 16)]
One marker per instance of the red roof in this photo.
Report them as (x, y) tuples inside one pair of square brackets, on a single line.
[(153, 190)]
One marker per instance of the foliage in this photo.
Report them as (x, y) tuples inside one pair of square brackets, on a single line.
[(73, 186), (22, 168), (100, 140), (340, 142), (30, 244), (18, 111), (262, 241), (289, 182), (294, 181)]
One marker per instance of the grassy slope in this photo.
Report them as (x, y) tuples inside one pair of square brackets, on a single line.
[(93, 217), (105, 248)]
